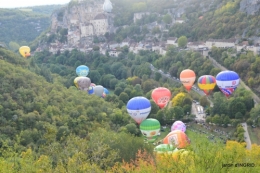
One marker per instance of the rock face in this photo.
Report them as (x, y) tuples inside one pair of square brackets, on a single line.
[(83, 19), (251, 7)]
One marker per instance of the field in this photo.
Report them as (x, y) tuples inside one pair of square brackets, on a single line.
[(213, 133)]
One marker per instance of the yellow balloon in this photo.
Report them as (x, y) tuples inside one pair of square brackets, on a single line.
[(25, 51)]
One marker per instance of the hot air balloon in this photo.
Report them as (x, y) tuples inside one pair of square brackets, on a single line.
[(91, 90), (178, 125), (98, 90), (227, 82), (82, 70), (207, 83), (107, 6), (106, 91), (177, 138), (25, 51), (150, 128), (76, 82), (165, 148), (82, 83), (138, 108), (187, 77), (92, 84), (161, 96)]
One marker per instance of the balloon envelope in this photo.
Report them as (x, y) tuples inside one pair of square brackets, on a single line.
[(82, 83), (165, 148), (161, 96), (178, 125), (82, 70), (106, 91), (91, 90), (227, 82), (187, 78), (138, 108), (98, 90), (207, 83), (150, 128), (177, 138), (25, 51)]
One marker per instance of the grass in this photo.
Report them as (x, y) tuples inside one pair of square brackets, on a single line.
[(254, 134)]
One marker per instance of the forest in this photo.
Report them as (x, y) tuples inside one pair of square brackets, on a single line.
[(48, 125), (19, 28), (42, 113)]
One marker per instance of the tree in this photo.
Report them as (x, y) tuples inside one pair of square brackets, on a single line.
[(182, 41), (178, 112), (204, 101), (124, 97), (132, 129), (167, 19), (14, 46)]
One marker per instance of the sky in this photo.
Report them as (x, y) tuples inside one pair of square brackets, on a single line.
[(27, 3)]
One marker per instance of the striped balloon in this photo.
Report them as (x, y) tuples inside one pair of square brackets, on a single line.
[(207, 83)]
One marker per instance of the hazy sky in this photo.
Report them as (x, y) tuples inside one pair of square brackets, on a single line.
[(27, 3)]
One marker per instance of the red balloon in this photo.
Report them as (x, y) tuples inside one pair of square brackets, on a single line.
[(161, 96)]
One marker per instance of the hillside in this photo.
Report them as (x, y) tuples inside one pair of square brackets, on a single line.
[(43, 9), (46, 126), (20, 28)]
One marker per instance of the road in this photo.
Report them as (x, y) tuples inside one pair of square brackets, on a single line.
[(194, 111), (255, 97), (247, 137)]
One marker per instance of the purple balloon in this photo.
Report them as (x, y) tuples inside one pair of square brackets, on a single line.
[(178, 125)]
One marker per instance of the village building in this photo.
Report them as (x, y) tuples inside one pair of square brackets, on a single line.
[(221, 43)]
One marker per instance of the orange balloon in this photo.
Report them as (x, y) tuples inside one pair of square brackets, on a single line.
[(177, 138), (161, 96), (187, 78)]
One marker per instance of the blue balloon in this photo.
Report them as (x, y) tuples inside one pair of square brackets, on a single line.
[(138, 108), (227, 82), (91, 90), (106, 91), (82, 70)]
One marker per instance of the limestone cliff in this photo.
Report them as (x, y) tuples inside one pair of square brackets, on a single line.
[(83, 19)]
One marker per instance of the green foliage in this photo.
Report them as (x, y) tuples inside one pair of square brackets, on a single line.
[(182, 41), (21, 27)]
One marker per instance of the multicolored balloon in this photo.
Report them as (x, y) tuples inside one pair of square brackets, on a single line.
[(150, 128), (207, 83), (178, 125), (161, 96), (227, 82), (25, 51), (91, 90), (138, 108), (187, 78), (82, 83), (177, 138), (99, 90), (82, 70)]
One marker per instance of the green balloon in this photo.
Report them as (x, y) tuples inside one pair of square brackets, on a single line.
[(150, 128), (163, 148)]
